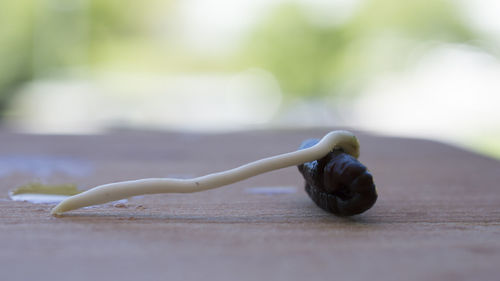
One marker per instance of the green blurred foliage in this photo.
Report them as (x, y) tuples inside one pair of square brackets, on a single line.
[(311, 59), (15, 46), (48, 38), (122, 31)]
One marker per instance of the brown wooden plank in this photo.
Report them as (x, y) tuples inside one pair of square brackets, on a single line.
[(437, 218)]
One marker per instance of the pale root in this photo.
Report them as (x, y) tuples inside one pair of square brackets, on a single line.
[(115, 191)]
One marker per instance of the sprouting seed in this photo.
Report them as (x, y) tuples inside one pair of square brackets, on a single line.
[(335, 140)]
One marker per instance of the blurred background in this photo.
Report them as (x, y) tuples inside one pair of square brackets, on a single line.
[(418, 68)]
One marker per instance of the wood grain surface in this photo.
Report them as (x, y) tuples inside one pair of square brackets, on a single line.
[(437, 217)]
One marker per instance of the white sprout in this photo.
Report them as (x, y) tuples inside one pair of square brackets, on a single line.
[(120, 190)]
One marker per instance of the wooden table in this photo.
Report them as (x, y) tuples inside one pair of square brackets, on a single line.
[(437, 217)]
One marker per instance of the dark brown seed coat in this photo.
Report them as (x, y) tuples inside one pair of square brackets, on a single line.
[(338, 183)]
